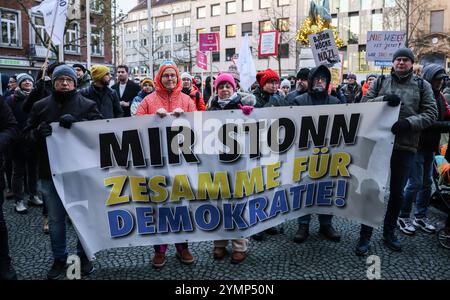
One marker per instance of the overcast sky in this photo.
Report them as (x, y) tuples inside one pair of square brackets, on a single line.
[(126, 5)]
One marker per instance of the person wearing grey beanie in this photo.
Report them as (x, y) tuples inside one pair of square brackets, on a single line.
[(22, 76), (404, 52), (285, 87), (64, 70)]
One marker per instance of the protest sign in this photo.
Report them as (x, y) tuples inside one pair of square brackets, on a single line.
[(324, 48)]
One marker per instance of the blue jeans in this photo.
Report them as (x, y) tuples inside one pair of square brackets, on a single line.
[(57, 221), (400, 166), (323, 219), (418, 189)]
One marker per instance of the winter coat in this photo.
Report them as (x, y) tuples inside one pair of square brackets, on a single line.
[(161, 98), (365, 88), (446, 92), (264, 99), (235, 100), (418, 105), (352, 92), (15, 102), (50, 110), (42, 89), (314, 98), (197, 97), (132, 89), (106, 99), (431, 136), (137, 101), (292, 95)]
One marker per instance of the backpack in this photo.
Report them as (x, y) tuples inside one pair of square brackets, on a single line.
[(382, 77)]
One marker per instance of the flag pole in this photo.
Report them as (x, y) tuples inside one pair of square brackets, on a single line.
[(44, 66)]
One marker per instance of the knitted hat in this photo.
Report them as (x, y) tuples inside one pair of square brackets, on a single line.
[(79, 66), (198, 76), (148, 81), (98, 71), (263, 76), (371, 75), (286, 83), (64, 70), (303, 73), (351, 76), (186, 75), (225, 77), (23, 76), (406, 52)]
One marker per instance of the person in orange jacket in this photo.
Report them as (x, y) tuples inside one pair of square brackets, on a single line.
[(366, 85), (190, 89)]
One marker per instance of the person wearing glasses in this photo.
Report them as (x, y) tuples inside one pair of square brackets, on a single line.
[(106, 98), (167, 99), (65, 105)]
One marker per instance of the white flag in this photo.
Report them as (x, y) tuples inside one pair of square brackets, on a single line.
[(246, 66), (55, 15)]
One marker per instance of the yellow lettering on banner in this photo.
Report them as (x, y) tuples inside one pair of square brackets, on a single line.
[(157, 184), (181, 188), (207, 185), (138, 192), (339, 164), (272, 174), (318, 163), (242, 181), (117, 182), (299, 167)]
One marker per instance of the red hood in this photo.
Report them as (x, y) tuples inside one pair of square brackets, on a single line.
[(160, 89)]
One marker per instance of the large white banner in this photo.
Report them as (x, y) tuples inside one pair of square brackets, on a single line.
[(55, 16), (146, 180)]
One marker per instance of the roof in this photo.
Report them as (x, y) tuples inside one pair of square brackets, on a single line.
[(143, 4)]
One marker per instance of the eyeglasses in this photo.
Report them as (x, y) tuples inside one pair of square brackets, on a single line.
[(61, 80), (167, 76), (320, 78)]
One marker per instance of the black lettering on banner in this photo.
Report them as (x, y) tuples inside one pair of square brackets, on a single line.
[(130, 139), (230, 142), (340, 126), (274, 143), (308, 128), (253, 130), (154, 142), (174, 146)]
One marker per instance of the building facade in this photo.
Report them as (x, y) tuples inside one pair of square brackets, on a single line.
[(22, 46)]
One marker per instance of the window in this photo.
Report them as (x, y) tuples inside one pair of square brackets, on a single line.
[(230, 31), (40, 31), (247, 28), (187, 21), (96, 40), (143, 42), (159, 40), (72, 42), (353, 33), (128, 43), (283, 24), (167, 39), (264, 3), (247, 5), (362, 65), (186, 37), (96, 6), (284, 50), (265, 26), (134, 29), (10, 22), (167, 54), (389, 3), (353, 5), (366, 4), (168, 24), (160, 55), (231, 7), (179, 23), (215, 10), (144, 28), (377, 22), (283, 2), (200, 30), (229, 53), (201, 12), (160, 25), (216, 56), (343, 6), (215, 29), (437, 21)]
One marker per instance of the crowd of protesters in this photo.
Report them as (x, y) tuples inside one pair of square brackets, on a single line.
[(68, 94)]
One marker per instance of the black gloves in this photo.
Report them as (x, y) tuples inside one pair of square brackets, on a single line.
[(400, 126), (44, 129), (392, 99), (67, 120)]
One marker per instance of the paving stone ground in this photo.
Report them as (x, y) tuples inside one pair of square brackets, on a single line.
[(277, 257)]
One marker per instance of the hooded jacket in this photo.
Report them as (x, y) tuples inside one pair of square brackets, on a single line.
[(84, 82), (352, 92), (312, 97), (430, 137), (196, 96), (8, 132), (137, 101), (162, 98), (418, 106), (264, 99)]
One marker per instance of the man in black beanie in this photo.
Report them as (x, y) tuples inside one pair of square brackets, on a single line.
[(65, 105), (302, 84), (417, 112)]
